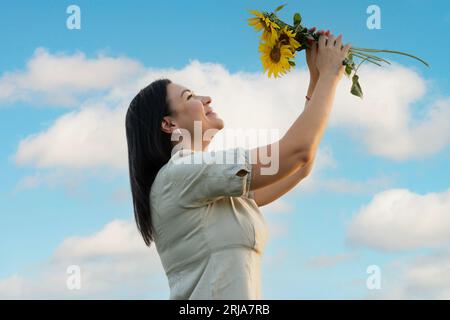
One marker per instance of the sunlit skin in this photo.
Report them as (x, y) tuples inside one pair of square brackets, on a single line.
[(188, 107)]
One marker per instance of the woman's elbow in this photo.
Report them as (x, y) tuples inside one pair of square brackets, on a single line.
[(305, 156)]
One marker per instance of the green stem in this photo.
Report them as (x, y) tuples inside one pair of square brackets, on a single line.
[(371, 56), (392, 51), (365, 57)]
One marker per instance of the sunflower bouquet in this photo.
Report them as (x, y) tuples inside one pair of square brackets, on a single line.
[(280, 42)]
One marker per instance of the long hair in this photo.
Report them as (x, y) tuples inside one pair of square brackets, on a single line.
[(149, 148)]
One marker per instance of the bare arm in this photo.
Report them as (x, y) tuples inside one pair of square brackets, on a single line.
[(298, 145), (274, 191)]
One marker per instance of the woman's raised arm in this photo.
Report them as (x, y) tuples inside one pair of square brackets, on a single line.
[(300, 142)]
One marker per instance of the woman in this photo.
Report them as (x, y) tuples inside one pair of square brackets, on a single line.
[(203, 216)]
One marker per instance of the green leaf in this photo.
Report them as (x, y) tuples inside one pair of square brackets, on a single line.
[(356, 88), (297, 19), (279, 8), (348, 70), (292, 63)]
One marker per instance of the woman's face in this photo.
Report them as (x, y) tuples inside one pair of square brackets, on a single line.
[(186, 108)]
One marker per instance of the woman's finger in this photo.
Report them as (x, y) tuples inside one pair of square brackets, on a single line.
[(314, 49), (330, 42), (346, 49), (339, 42), (322, 41)]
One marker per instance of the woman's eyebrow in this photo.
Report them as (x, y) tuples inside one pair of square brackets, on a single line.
[(184, 92)]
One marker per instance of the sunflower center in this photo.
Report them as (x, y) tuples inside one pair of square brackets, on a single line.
[(275, 54), (284, 38)]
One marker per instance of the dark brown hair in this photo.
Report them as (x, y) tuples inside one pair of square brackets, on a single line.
[(149, 148)]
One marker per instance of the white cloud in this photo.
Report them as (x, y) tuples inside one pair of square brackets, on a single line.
[(58, 79), (422, 277), (114, 263), (94, 135), (318, 180), (91, 137), (384, 121), (399, 219), (116, 238)]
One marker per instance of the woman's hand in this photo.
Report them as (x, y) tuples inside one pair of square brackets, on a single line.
[(311, 54), (331, 54), (311, 58)]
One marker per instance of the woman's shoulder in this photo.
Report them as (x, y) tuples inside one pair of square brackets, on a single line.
[(180, 164), (167, 175)]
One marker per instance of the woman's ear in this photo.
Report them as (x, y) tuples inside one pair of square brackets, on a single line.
[(167, 125)]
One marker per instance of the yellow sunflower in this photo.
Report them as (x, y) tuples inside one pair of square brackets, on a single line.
[(260, 22), (287, 37), (276, 57)]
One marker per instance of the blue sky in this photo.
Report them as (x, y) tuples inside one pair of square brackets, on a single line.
[(315, 218)]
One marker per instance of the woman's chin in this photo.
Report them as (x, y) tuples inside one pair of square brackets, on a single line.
[(221, 124), (215, 122), (218, 124)]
